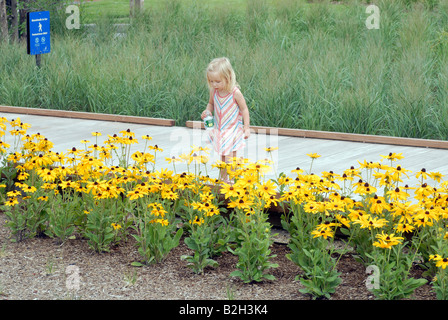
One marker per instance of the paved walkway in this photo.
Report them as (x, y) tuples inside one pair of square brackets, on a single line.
[(336, 156)]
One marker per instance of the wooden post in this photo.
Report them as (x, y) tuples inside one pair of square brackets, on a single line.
[(135, 7), (3, 22), (14, 21), (131, 8), (38, 60), (139, 5), (22, 21)]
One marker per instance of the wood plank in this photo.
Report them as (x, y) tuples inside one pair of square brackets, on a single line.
[(354, 137), (88, 116)]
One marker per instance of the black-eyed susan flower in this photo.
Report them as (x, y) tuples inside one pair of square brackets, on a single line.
[(206, 196), (394, 240), (198, 221), (392, 156), (219, 164), (369, 222), (440, 261), (135, 194), (47, 174), (398, 194), (327, 225), (313, 155), (27, 188), (156, 148), (422, 173), (267, 189), (10, 202), (270, 149), (95, 186), (170, 195), (387, 241), (259, 167), (41, 160), (13, 157), (325, 233), (116, 226), (14, 193), (397, 172), (49, 186), (271, 201), (422, 222), (157, 209), (248, 180), (404, 227), (240, 203), (343, 220), (173, 159), (313, 207), (68, 184), (127, 133), (230, 190), (436, 176), (382, 244), (427, 215), (378, 205), (163, 222), (352, 172), (365, 189), (3, 146), (142, 158)]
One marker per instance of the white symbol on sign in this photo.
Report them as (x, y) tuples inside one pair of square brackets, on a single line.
[(42, 39), (40, 27), (37, 40)]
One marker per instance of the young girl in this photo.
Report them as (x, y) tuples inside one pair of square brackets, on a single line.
[(231, 115)]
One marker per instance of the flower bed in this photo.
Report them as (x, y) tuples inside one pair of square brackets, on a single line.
[(80, 191)]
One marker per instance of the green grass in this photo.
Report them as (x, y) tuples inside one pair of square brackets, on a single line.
[(92, 10), (299, 65)]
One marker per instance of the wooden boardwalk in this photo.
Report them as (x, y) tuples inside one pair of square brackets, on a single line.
[(336, 155)]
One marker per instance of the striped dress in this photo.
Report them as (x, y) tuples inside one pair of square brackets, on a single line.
[(228, 134)]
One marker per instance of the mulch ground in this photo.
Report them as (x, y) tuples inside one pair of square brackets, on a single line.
[(41, 269)]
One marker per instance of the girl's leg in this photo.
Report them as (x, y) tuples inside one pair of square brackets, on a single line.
[(223, 172)]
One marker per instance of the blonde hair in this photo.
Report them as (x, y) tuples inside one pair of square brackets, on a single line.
[(223, 67)]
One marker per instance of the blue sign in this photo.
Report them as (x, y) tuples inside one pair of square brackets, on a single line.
[(38, 32)]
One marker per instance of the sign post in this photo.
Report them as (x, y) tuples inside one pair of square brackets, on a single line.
[(38, 27)]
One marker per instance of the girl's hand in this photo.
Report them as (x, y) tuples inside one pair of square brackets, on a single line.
[(246, 133), (205, 113)]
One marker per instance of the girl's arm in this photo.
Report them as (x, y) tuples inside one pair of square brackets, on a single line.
[(239, 98), (209, 107)]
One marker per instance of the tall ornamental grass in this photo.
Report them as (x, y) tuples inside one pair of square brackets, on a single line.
[(300, 65)]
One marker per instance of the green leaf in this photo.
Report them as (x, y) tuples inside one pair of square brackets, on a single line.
[(108, 236), (191, 244), (269, 276), (211, 262), (345, 231), (137, 264), (236, 273)]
